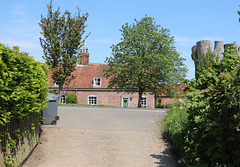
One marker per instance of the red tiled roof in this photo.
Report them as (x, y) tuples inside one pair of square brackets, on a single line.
[(85, 75), (180, 89)]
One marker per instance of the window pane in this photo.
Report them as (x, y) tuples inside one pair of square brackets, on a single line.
[(97, 82), (92, 100), (144, 101), (63, 99)]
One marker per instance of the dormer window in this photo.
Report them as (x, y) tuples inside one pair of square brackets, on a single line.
[(96, 81), (55, 85)]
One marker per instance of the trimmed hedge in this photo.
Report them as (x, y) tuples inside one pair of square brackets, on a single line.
[(71, 98), (23, 85)]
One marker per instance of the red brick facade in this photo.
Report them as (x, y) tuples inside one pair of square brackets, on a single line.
[(90, 86), (113, 98), (166, 100)]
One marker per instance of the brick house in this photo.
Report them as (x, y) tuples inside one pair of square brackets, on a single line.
[(168, 99), (91, 87)]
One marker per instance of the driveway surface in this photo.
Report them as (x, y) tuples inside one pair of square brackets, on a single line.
[(103, 137)]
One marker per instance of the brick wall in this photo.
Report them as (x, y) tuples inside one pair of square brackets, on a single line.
[(166, 100), (113, 98)]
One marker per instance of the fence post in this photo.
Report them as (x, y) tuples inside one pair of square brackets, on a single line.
[(1, 158)]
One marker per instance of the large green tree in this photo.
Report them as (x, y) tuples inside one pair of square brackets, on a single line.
[(62, 37), (145, 59)]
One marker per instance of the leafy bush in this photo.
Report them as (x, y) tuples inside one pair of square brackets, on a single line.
[(159, 105), (175, 123), (23, 85), (71, 98), (213, 137), (210, 134)]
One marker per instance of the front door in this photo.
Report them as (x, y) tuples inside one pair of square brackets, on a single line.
[(125, 102)]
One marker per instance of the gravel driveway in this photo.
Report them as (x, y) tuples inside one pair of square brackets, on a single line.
[(103, 137)]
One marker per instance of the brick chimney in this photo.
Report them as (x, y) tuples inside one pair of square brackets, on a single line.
[(16, 48), (83, 57)]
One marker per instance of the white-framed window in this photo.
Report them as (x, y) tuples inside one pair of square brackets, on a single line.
[(92, 100), (55, 85), (144, 101), (96, 81), (63, 99)]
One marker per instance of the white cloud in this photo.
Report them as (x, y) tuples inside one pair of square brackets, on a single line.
[(212, 38), (187, 41), (105, 40), (18, 10), (30, 46), (21, 31)]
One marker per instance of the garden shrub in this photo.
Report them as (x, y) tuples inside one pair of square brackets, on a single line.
[(214, 124), (23, 85), (175, 123), (159, 105), (71, 98), (211, 134)]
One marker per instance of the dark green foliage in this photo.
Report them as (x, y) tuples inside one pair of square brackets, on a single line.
[(71, 98), (62, 37), (202, 65), (23, 85), (176, 117), (175, 123), (145, 59), (211, 134), (214, 113), (159, 105)]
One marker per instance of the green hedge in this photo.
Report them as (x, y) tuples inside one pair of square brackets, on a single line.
[(71, 98), (23, 85), (175, 123)]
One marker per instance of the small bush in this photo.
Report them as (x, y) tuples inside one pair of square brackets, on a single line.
[(175, 124), (71, 98), (159, 105)]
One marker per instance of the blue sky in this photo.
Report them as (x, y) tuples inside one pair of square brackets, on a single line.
[(188, 20)]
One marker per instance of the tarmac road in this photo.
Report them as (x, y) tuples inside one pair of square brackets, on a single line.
[(103, 137)]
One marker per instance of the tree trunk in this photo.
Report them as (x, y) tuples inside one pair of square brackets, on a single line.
[(140, 99), (60, 95)]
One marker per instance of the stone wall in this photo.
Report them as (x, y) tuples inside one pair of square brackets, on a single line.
[(201, 48)]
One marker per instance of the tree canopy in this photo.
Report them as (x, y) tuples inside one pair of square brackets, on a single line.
[(145, 59), (62, 38)]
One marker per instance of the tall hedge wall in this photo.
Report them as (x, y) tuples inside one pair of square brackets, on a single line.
[(23, 85)]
